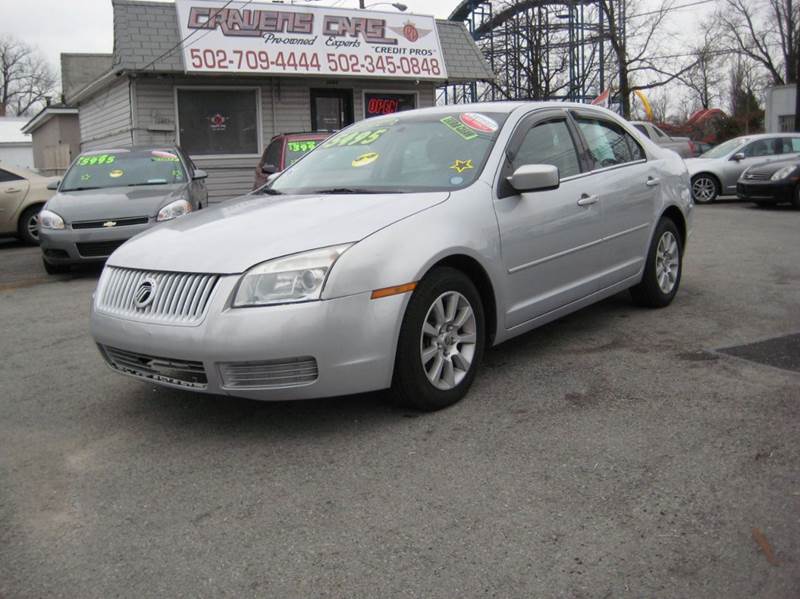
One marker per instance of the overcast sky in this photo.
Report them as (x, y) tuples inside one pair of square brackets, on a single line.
[(56, 26)]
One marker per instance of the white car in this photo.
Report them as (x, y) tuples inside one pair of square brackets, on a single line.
[(22, 195), (396, 251)]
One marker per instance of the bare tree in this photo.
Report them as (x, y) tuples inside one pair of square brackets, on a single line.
[(767, 32), (26, 80), (704, 78), (634, 35)]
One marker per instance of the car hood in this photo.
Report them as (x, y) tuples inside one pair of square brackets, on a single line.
[(114, 202), (237, 234), (773, 167)]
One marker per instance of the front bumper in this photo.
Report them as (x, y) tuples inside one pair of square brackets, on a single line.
[(79, 246), (352, 340), (771, 192)]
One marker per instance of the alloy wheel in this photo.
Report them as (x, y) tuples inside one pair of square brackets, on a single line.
[(448, 340), (667, 262), (704, 190), (33, 226)]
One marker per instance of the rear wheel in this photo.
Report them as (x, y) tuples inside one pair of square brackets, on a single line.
[(796, 198), (662, 273), (28, 227), (705, 189), (441, 341)]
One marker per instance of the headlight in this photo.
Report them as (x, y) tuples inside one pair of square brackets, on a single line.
[(782, 173), (174, 210), (295, 278), (50, 220)]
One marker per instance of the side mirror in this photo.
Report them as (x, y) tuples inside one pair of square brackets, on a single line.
[(269, 169), (738, 156), (199, 174), (54, 185), (535, 177)]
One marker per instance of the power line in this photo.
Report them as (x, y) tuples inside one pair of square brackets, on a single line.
[(181, 42), (669, 9)]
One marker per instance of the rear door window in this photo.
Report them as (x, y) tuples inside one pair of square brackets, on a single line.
[(608, 143)]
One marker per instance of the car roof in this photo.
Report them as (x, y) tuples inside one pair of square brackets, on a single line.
[(509, 107), (173, 148)]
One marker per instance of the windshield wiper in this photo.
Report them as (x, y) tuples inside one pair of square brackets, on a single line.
[(80, 188), (270, 191), (147, 183), (346, 190)]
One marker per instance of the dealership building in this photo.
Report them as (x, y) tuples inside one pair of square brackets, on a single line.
[(221, 79)]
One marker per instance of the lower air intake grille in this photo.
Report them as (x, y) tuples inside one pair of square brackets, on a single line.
[(99, 249), (185, 373), (291, 372)]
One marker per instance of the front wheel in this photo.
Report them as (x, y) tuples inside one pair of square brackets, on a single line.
[(441, 341), (54, 269), (662, 272), (705, 189)]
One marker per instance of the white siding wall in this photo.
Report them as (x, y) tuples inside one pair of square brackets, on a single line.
[(155, 120), (780, 102), (105, 118)]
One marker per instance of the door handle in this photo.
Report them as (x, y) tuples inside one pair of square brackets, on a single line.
[(652, 181), (13, 190), (587, 200)]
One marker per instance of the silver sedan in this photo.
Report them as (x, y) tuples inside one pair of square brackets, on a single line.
[(395, 252), (716, 172)]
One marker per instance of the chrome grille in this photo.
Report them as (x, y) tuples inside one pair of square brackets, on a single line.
[(186, 373), (110, 222), (291, 372), (178, 298)]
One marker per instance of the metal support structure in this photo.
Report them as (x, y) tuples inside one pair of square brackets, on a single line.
[(538, 49)]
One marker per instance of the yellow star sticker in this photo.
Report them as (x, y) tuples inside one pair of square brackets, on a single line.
[(461, 165)]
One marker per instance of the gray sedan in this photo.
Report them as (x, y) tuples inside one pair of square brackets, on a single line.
[(716, 172), (108, 196), (396, 252)]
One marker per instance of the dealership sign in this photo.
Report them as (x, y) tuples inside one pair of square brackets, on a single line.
[(285, 39)]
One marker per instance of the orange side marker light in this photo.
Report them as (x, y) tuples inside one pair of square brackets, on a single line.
[(396, 290)]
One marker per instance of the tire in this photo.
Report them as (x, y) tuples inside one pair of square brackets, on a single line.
[(26, 232), (796, 198), (662, 272), (443, 298), (705, 188), (55, 269)]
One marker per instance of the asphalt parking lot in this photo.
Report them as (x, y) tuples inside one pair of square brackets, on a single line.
[(614, 453)]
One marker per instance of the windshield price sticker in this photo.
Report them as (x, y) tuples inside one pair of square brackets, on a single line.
[(159, 156), (356, 138), (282, 38), (96, 160), (302, 145), (365, 159)]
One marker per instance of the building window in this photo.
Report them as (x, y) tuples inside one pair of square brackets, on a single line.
[(218, 121), (377, 103), (786, 123)]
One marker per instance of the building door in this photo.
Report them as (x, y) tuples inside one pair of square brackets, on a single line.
[(331, 109)]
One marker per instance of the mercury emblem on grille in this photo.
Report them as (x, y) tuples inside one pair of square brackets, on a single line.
[(145, 293)]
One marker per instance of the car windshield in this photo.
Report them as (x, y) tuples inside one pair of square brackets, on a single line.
[(297, 147), (725, 148), (399, 154), (123, 168)]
